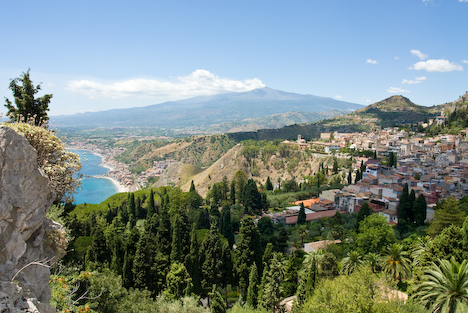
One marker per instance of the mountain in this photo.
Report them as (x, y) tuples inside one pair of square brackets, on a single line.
[(205, 111)]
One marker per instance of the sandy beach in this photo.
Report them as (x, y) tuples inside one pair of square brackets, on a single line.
[(120, 187)]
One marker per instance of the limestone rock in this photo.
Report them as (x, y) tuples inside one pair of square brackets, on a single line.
[(24, 198)]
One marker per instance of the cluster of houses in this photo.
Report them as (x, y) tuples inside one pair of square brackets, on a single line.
[(434, 167)]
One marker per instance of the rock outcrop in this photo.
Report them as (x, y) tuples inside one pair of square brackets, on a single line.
[(26, 235)]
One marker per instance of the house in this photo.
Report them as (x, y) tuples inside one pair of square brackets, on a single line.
[(322, 244), (391, 215)]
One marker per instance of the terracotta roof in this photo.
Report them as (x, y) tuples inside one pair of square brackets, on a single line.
[(311, 216), (322, 244)]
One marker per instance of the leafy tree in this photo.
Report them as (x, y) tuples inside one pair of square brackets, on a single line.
[(239, 179), (328, 266), (266, 228), (301, 218), (448, 244), (375, 233), (447, 212), (27, 106), (179, 282), (444, 287)]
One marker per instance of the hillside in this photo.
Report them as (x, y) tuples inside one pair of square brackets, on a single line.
[(201, 112), (269, 162), (395, 110)]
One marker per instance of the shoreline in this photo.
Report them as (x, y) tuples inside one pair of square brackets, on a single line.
[(117, 184)]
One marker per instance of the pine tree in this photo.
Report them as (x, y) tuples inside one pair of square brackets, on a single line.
[(301, 218), (252, 292)]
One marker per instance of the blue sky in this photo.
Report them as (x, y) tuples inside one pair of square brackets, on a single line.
[(98, 55)]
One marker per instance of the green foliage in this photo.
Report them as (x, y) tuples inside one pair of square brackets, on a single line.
[(396, 262), (360, 291), (272, 293), (444, 287), (252, 292), (28, 108), (447, 212), (374, 234), (448, 244), (301, 218), (211, 260), (178, 282)]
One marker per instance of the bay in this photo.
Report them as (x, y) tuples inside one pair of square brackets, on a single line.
[(93, 190)]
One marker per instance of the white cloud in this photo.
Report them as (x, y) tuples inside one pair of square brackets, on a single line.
[(439, 65), (418, 80), (197, 83), (462, 0), (465, 61), (371, 61), (397, 90), (338, 97), (365, 99), (419, 54), (397, 58)]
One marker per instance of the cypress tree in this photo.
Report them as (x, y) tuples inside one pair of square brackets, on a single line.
[(403, 205), (350, 177), (192, 187), (142, 263), (252, 292), (150, 210), (311, 278), (335, 166), (282, 240), (217, 303), (248, 251), (203, 221), (176, 250), (272, 292), (290, 276), (268, 184), (232, 193), (227, 230), (138, 210), (411, 202), (301, 218), (419, 209), (192, 261), (131, 204), (211, 261), (127, 275), (252, 198), (363, 212)]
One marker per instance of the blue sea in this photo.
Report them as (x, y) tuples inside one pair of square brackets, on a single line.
[(93, 190)]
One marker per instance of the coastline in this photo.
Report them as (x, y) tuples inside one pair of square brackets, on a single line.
[(118, 185)]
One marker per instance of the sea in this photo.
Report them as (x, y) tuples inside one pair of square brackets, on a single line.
[(93, 190)]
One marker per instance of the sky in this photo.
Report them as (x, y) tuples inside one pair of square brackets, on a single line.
[(101, 55)]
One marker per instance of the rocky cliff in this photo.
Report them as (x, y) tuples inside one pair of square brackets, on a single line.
[(27, 238)]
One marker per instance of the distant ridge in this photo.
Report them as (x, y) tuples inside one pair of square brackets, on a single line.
[(206, 110)]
